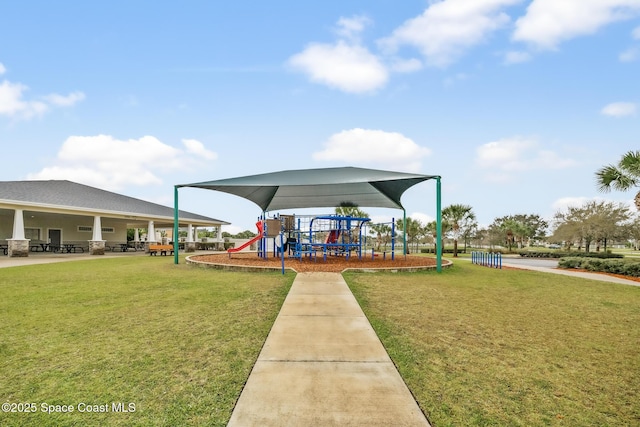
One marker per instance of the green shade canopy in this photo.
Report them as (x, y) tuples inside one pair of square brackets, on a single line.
[(314, 188)]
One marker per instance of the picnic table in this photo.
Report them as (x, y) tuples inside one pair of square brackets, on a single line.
[(122, 247), (71, 247), (40, 247)]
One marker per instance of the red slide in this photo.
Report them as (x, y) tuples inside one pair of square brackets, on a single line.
[(250, 242)]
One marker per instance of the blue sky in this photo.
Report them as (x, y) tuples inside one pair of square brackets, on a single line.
[(514, 103)]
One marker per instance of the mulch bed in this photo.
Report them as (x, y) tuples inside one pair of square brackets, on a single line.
[(619, 276), (333, 264)]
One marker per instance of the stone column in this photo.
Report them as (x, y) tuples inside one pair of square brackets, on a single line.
[(219, 236), (190, 244), (136, 238), (96, 244), (18, 246), (151, 236)]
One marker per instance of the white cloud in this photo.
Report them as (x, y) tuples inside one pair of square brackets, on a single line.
[(516, 57), (65, 101), (348, 67), (389, 150), (422, 217), (110, 163), (619, 109), (406, 65), (351, 28), (197, 148), (633, 53), (452, 80), (446, 29), (345, 65), (517, 154), (381, 219), (13, 105), (564, 203), (629, 55), (547, 23)]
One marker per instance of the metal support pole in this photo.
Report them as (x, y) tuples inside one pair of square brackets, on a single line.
[(393, 239), (404, 232), (176, 219), (439, 224), (282, 249)]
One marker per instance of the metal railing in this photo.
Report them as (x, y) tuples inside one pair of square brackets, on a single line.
[(488, 259)]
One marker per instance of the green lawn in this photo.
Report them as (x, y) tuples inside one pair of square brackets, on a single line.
[(480, 346), (476, 346), (177, 342)]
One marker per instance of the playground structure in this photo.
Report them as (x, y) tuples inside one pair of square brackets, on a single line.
[(308, 236), (250, 242), (321, 188)]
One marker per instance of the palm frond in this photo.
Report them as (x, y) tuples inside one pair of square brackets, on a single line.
[(610, 177), (630, 163)]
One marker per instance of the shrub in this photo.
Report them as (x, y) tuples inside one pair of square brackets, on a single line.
[(534, 254), (570, 262), (632, 269), (615, 266), (602, 255)]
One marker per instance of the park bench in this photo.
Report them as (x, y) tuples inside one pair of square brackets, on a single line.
[(163, 249)]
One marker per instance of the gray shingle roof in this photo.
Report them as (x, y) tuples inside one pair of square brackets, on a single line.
[(70, 194)]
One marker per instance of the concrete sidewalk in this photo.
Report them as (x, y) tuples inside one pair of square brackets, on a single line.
[(581, 274), (323, 365)]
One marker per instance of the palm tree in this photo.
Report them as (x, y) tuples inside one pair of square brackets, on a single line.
[(383, 233), (623, 176), (413, 229), (454, 216)]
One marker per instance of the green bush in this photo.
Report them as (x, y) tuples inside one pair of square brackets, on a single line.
[(614, 266), (593, 264), (632, 269), (570, 262), (563, 254), (535, 254)]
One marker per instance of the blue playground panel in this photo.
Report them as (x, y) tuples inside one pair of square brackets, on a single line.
[(330, 235), (315, 235)]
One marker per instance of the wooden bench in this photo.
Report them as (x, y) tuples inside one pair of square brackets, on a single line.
[(163, 249)]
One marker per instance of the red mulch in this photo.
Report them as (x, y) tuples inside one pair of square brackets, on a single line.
[(620, 276), (332, 264)]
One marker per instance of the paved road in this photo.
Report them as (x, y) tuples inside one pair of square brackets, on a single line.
[(531, 262), (549, 266)]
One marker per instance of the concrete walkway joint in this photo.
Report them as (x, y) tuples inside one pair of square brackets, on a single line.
[(323, 365)]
